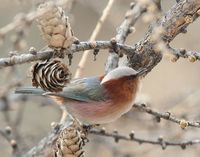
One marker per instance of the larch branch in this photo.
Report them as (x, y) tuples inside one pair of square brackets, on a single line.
[(95, 33), (165, 115), (25, 19), (159, 141), (50, 53), (123, 31), (172, 23), (191, 55)]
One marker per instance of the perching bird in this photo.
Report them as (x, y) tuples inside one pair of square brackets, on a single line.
[(97, 100)]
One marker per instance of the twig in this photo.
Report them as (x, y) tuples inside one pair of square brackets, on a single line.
[(95, 33), (26, 19), (165, 115), (20, 114), (5, 99), (191, 55), (49, 53), (142, 54), (12, 135), (160, 141), (132, 15), (45, 145), (172, 23), (7, 134)]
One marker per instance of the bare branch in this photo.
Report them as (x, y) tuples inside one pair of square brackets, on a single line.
[(44, 147), (143, 54), (172, 23), (23, 20), (131, 17), (165, 115), (50, 53), (7, 134), (95, 33), (159, 141), (191, 55)]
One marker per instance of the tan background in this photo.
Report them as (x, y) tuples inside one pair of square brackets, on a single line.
[(169, 87)]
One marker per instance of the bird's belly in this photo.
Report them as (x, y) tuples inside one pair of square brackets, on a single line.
[(97, 112)]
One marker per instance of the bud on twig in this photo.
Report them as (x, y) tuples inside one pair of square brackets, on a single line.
[(183, 124)]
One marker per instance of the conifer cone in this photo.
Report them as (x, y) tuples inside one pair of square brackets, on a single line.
[(50, 75), (69, 143), (55, 26)]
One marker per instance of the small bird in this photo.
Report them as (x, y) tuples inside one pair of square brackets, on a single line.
[(97, 100)]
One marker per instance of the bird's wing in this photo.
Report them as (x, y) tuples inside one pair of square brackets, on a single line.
[(85, 89)]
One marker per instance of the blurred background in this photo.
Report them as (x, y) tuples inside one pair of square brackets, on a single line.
[(173, 87)]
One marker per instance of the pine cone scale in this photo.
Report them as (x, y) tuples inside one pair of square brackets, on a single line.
[(50, 75)]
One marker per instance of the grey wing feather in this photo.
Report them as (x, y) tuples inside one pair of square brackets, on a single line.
[(86, 90)]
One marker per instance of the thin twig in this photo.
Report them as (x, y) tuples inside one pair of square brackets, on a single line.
[(165, 115), (45, 145), (132, 15), (179, 17), (7, 134), (191, 55), (26, 19), (13, 136), (50, 53), (95, 33), (159, 141)]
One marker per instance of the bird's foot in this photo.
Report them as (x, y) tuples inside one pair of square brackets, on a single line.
[(86, 128)]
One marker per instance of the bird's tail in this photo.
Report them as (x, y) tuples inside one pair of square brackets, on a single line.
[(29, 90)]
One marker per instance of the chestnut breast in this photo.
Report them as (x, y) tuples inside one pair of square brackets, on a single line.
[(122, 90)]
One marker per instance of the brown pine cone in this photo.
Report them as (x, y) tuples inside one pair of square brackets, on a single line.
[(55, 26), (50, 75), (69, 143)]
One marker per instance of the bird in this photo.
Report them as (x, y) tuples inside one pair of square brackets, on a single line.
[(97, 99)]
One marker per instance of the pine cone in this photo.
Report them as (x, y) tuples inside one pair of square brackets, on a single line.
[(55, 27), (69, 143), (50, 75)]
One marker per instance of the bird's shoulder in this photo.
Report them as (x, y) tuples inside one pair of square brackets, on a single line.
[(84, 83), (85, 89)]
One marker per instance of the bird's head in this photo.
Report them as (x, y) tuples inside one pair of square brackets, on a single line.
[(122, 84), (120, 73)]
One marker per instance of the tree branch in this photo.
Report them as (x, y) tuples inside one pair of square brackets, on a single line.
[(50, 53), (159, 141), (191, 55), (132, 15), (44, 147), (93, 36), (8, 135), (172, 23), (23, 20), (166, 115)]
